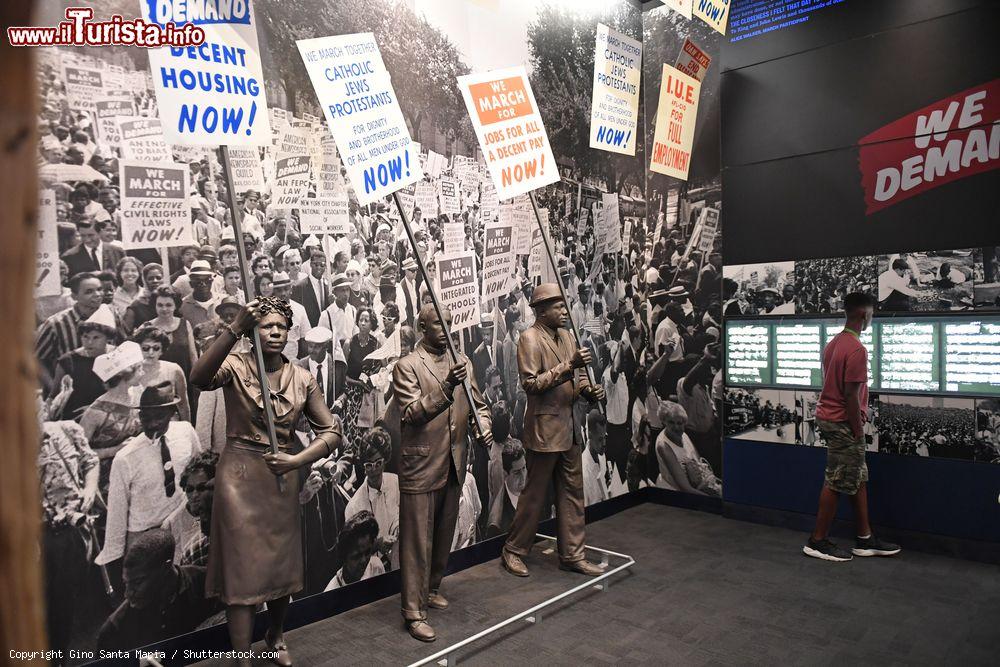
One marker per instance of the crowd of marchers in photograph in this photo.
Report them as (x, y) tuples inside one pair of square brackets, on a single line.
[(116, 345)]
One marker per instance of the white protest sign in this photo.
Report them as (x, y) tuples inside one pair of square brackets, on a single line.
[(407, 200), (510, 130), (292, 141), (612, 222), (454, 237), (524, 223), (675, 120), (291, 180), (84, 85), (246, 166), (47, 278), (713, 12), (497, 259), (114, 77), (142, 140), (324, 215), (682, 7), (458, 288), (692, 60), (489, 201), (107, 110), (537, 256), (328, 178), (155, 211), (425, 197), (709, 228), (436, 163), (362, 112), (213, 93), (614, 110), (449, 195)]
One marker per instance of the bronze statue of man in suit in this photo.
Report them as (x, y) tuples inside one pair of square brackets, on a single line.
[(553, 374), (432, 468)]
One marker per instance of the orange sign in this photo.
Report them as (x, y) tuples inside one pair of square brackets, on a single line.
[(500, 100)]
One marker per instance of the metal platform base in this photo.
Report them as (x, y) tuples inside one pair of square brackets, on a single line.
[(447, 657)]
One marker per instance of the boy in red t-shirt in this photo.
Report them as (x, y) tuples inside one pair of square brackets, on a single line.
[(840, 418)]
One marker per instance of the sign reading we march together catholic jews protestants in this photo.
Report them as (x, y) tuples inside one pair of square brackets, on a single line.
[(363, 113), (615, 108)]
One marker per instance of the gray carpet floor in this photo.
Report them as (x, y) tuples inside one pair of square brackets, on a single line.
[(704, 591)]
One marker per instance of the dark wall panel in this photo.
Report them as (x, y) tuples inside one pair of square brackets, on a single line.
[(831, 97), (937, 496), (813, 206), (846, 19)]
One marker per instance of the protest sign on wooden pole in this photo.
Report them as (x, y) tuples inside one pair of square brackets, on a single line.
[(437, 309), (562, 288), (190, 118), (245, 276)]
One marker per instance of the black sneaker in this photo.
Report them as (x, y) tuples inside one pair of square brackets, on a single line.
[(873, 546), (825, 550)]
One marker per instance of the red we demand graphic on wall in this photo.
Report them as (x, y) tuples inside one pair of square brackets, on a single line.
[(954, 138)]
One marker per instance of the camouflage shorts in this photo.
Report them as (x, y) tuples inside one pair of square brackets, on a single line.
[(845, 457)]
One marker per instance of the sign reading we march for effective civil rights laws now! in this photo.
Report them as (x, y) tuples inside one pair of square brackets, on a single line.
[(510, 130), (361, 109), (614, 111), (155, 210), (675, 119), (211, 94)]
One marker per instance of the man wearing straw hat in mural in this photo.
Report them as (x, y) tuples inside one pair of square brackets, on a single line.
[(144, 488), (553, 374)]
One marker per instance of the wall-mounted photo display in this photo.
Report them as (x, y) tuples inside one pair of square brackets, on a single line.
[(934, 280), (986, 277), (822, 284), (780, 416), (928, 426), (760, 289), (988, 430)]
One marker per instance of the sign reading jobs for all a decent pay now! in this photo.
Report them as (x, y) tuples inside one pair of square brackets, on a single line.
[(211, 94), (675, 119), (155, 210), (362, 111), (510, 130), (615, 108)]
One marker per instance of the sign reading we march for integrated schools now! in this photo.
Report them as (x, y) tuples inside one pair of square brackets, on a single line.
[(361, 109), (675, 119), (615, 108), (510, 130), (155, 210), (458, 288), (213, 93)]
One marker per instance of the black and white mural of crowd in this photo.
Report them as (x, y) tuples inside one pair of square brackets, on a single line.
[(119, 321)]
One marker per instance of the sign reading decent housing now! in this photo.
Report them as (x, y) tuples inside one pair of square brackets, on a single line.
[(213, 93)]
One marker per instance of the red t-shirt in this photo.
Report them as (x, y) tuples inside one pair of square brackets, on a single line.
[(845, 359)]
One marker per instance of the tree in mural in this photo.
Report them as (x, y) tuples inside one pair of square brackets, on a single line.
[(423, 59), (562, 43)]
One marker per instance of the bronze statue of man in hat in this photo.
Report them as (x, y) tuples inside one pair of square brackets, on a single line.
[(553, 374)]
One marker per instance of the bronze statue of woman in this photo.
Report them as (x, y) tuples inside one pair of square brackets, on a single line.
[(255, 554)]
